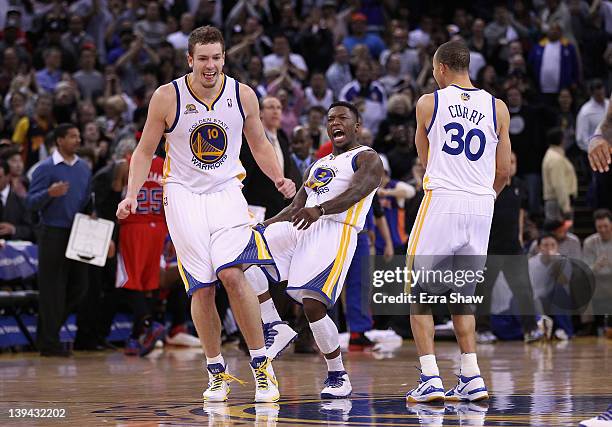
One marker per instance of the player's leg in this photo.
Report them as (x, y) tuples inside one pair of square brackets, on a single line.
[(277, 334), (358, 321)]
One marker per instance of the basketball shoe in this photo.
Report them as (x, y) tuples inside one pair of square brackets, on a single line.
[(278, 335), (429, 389), (337, 386), (266, 390), (468, 388), (218, 383), (601, 420)]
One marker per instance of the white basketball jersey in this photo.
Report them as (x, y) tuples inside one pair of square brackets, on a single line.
[(203, 143), (462, 142), (331, 176)]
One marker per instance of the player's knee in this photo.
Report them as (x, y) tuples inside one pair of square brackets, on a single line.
[(204, 294), (314, 310)]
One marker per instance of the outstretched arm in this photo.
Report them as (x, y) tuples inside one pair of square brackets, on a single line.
[(262, 150), (600, 146), (366, 179), (503, 153), (140, 163)]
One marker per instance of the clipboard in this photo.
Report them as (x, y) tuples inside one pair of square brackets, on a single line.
[(89, 239)]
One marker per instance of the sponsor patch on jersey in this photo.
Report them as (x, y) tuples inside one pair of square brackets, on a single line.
[(190, 109)]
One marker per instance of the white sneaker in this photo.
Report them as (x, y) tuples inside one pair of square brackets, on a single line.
[(486, 337), (545, 324), (218, 383), (602, 420), (266, 385), (429, 415), (560, 334), (278, 335), (468, 388), (266, 414), (337, 386), (337, 409), (429, 389), (184, 340)]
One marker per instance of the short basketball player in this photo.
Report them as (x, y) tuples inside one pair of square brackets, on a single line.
[(202, 116), (313, 240), (141, 243), (462, 140)]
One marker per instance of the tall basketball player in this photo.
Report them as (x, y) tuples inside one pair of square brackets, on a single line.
[(313, 240), (202, 116), (462, 140)]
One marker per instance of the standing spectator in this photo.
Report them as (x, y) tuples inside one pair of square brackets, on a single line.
[(401, 156), (597, 254), (179, 38), (301, 149), (60, 189), (499, 33), (559, 178), (15, 220), (30, 132), (478, 42), (359, 24), (151, 28), (89, 80), (555, 62), (74, 40), (368, 92), (315, 127), (289, 92), (591, 114), (282, 57), (339, 72), (565, 116), (318, 94), (50, 76), (316, 33), (410, 63)]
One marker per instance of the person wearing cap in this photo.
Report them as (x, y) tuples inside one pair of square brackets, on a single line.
[(569, 243), (591, 113), (359, 23)]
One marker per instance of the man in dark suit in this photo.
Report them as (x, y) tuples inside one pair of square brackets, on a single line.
[(15, 219), (258, 189)]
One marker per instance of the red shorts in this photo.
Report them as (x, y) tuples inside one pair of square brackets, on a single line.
[(140, 248)]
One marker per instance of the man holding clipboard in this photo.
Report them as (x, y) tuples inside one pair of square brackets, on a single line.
[(60, 189)]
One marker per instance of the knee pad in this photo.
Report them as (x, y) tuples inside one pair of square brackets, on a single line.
[(325, 334), (257, 279)]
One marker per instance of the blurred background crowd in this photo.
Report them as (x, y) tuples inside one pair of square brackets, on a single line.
[(96, 63)]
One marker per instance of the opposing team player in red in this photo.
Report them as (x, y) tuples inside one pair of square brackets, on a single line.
[(141, 243)]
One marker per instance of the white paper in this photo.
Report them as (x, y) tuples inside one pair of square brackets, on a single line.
[(89, 239)]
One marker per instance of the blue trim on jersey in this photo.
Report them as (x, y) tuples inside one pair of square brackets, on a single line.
[(238, 100), (212, 106), (354, 162), (465, 88), (433, 116), (178, 107), (193, 95), (494, 114), (195, 284), (248, 256), (316, 285)]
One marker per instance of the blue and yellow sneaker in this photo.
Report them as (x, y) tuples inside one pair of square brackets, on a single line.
[(429, 389), (218, 383)]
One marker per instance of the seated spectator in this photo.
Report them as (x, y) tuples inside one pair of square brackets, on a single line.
[(30, 132), (568, 244), (50, 76), (591, 114), (315, 126), (559, 179), (370, 93), (282, 57), (15, 219), (420, 37), (301, 149), (318, 94), (358, 35), (393, 79), (18, 182), (339, 74)]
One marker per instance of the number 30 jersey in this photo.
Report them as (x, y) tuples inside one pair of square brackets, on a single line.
[(150, 197), (462, 141)]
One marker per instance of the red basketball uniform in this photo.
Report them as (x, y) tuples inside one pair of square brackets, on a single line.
[(142, 235)]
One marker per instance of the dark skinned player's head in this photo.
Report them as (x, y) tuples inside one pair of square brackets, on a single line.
[(343, 123)]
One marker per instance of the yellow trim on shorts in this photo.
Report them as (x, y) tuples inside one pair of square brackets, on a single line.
[(351, 221), (412, 244), (166, 167), (182, 273), (262, 250)]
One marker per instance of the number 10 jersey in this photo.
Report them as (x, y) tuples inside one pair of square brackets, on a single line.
[(462, 142)]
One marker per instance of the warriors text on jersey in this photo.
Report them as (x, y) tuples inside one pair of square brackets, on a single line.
[(462, 141), (331, 176), (203, 143)]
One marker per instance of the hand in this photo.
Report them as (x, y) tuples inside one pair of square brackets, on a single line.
[(389, 252), (286, 187), (600, 264), (305, 217), (58, 189), (7, 229), (126, 207), (600, 155), (382, 192)]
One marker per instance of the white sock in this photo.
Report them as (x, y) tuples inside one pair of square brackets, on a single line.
[(469, 365), (216, 359), (268, 312), (259, 352), (335, 364), (429, 367)]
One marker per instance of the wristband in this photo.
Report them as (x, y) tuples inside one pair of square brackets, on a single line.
[(321, 209)]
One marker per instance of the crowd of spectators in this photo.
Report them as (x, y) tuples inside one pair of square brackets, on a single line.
[(96, 63)]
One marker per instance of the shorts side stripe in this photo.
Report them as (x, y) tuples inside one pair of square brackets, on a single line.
[(343, 244), (412, 245), (182, 273)]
